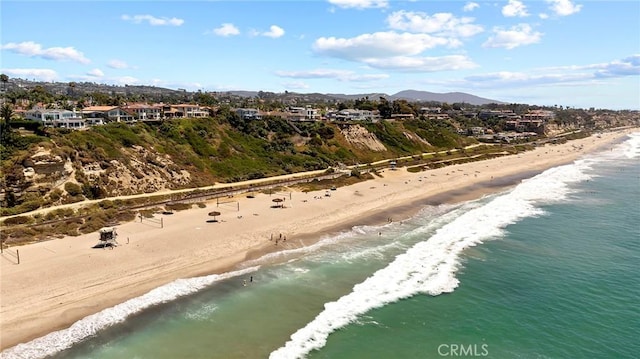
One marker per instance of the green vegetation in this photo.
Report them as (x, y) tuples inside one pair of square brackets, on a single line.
[(107, 160)]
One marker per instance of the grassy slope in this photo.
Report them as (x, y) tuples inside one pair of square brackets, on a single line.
[(223, 149)]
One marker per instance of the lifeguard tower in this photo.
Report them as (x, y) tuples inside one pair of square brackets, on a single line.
[(108, 237)]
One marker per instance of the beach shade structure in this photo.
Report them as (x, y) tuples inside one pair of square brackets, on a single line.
[(278, 202), (213, 214)]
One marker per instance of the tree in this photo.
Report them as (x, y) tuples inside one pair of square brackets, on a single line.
[(385, 108), (6, 112), (72, 89), (4, 79)]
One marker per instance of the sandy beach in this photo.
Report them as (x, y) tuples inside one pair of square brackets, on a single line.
[(61, 281)]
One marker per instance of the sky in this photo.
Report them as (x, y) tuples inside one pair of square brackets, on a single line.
[(573, 53)]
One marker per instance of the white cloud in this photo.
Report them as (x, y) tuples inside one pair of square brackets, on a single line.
[(575, 74), (38, 74), (444, 24), (515, 8), (314, 74), (518, 35), (341, 75), (423, 64), (32, 49), (629, 66), (96, 73), (379, 45), (563, 7), (274, 32), (470, 6), (226, 29), (126, 80), (118, 64), (543, 16), (296, 85), (360, 4), (152, 20)]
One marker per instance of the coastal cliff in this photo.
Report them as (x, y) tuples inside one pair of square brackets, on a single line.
[(120, 159)]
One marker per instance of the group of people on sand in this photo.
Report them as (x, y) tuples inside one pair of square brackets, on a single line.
[(279, 238)]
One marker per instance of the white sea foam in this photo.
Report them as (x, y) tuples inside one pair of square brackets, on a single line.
[(430, 266), (63, 339), (203, 313), (631, 147)]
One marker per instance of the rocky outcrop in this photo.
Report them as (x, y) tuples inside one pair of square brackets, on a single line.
[(145, 171), (359, 136)]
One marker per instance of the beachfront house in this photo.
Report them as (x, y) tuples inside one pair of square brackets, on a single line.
[(353, 115), (249, 113), (108, 113), (191, 111), (302, 114), (55, 117), (144, 112)]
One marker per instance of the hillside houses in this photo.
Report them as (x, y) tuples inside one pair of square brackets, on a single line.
[(476, 121), (56, 118), (353, 115)]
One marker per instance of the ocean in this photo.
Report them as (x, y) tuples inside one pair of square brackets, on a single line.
[(548, 268)]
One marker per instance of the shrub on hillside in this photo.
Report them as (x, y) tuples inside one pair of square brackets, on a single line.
[(73, 189)]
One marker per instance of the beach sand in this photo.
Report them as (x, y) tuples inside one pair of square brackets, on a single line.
[(61, 281)]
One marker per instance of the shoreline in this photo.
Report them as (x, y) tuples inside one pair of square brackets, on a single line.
[(61, 281)]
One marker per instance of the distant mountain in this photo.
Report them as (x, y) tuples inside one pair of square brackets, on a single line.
[(371, 96), (449, 97), (153, 91), (409, 95)]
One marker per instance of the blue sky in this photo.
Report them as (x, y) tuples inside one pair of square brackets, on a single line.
[(544, 52)]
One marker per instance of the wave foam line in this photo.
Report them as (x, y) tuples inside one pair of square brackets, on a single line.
[(632, 145), (63, 339), (430, 266)]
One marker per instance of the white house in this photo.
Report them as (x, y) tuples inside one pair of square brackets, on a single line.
[(191, 111), (112, 113), (49, 117), (73, 123), (303, 114), (354, 115), (144, 112)]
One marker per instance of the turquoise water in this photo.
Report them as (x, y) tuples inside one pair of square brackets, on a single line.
[(548, 269)]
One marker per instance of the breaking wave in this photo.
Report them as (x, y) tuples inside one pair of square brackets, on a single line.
[(88, 326), (429, 267)]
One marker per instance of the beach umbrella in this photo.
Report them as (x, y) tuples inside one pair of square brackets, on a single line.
[(278, 201), (214, 214)]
